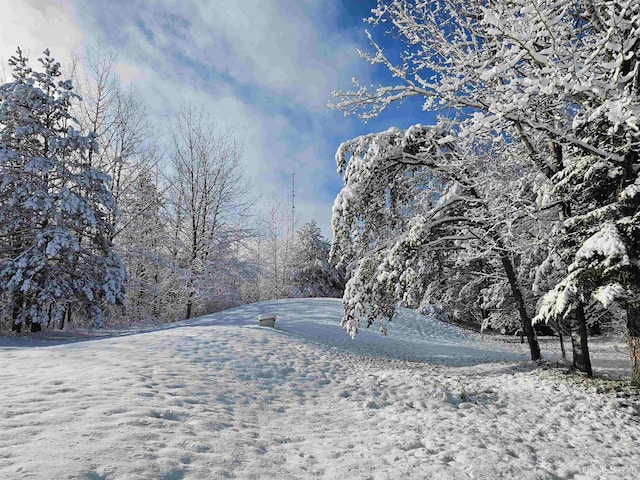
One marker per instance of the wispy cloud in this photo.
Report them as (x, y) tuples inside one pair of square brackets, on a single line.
[(263, 68), (34, 26)]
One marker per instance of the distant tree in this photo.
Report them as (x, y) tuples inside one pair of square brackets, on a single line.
[(128, 153), (56, 252), (311, 273), (208, 201), (145, 243), (274, 248)]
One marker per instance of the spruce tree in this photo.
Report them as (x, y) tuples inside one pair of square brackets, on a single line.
[(311, 272), (56, 253)]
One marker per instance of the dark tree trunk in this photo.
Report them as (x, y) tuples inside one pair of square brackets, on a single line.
[(189, 304), (18, 301), (16, 327), (579, 342), (36, 327), (155, 295), (190, 284), (633, 330), (66, 318), (525, 320), (564, 353)]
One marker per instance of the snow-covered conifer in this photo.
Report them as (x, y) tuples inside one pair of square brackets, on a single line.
[(55, 235), (311, 272)]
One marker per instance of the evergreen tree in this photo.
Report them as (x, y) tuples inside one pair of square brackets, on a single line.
[(55, 249), (311, 272)]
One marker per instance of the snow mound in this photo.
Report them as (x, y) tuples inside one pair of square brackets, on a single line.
[(410, 336)]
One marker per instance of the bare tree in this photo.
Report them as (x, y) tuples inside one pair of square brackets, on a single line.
[(275, 244), (128, 152), (209, 199)]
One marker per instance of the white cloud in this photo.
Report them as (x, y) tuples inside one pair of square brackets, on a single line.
[(34, 25), (263, 68), (271, 44), (129, 73), (275, 45)]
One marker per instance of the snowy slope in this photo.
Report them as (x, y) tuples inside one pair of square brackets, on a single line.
[(410, 337), (219, 397)]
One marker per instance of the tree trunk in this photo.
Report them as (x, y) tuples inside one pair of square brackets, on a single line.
[(155, 295), (16, 327), (189, 301), (18, 300), (579, 342), (187, 314), (36, 327), (66, 318), (633, 330), (525, 320)]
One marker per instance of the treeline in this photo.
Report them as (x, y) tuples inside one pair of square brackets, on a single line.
[(520, 203), (103, 220)]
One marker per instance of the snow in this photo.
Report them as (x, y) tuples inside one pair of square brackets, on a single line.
[(609, 294), (607, 243), (221, 397)]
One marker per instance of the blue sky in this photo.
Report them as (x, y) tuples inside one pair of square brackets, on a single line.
[(263, 68)]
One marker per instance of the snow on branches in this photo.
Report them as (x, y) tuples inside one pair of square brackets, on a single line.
[(563, 79), (311, 272), (55, 234), (416, 206)]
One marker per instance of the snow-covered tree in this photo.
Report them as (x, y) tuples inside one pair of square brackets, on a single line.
[(144, 241), (128, 153), (562, 78), (209, 198), (311, 272), (56, 253), (582, 89), (387, 178), (271, 250)]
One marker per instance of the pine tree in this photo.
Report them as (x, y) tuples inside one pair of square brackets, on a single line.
[(311, 272), (55, 249)]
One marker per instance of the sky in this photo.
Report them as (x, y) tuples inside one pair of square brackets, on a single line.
[(265, 69)]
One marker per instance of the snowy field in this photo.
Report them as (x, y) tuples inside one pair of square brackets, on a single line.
[(219, 397)]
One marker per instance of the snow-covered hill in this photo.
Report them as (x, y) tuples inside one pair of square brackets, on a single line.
[(410, 337), (220, 397)]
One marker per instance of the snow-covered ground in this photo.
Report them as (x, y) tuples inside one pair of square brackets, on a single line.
[(220, 397)]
